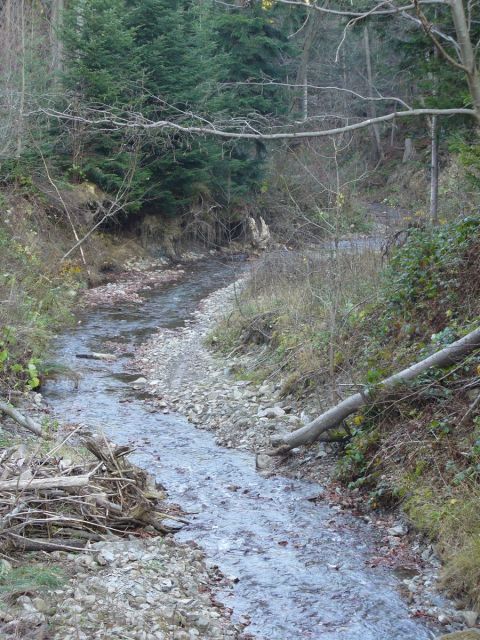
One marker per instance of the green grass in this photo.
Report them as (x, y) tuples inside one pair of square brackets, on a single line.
[(32, 579)]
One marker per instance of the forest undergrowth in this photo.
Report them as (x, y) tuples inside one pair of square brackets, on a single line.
[(38, 289), (326, 324)]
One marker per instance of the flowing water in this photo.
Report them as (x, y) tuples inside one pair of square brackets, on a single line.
[(301, 567)]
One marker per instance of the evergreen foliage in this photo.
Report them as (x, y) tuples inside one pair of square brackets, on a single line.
[(177, 59)]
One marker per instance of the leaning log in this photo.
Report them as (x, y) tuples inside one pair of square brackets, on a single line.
[(334, 417)]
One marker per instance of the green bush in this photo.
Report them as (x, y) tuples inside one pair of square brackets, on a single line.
[(432, 277), (36, 297)]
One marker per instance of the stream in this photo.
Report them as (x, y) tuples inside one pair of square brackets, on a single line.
[(300, 567)]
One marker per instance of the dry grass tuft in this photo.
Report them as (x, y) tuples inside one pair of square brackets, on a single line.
[(295, 311)]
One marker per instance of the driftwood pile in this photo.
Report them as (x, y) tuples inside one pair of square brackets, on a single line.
[(48, 502)]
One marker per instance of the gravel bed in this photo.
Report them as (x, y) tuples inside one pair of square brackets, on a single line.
[(140, 589)]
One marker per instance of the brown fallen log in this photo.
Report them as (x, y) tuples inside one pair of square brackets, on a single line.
[(35, 484), (23, 421), (334, 417)]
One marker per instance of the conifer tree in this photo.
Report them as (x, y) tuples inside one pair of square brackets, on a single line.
[(102, 70)]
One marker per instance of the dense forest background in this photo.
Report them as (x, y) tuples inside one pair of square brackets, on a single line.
[(83, 82)]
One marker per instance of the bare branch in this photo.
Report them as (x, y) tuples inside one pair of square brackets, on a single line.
[(289, 85), (24, 421), (440, 34), (139, 122), (376, 10)]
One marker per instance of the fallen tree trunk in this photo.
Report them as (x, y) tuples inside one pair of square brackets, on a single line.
[(35, 484), (23, 421), (335, 416), (19, 543)]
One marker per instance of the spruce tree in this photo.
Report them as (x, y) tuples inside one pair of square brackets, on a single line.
[(251, 49), (102, 71)]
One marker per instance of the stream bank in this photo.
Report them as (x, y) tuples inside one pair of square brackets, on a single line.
[(300, 566), (179, 373)]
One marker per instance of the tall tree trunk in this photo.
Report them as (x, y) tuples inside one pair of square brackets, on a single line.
[(302, 74), (434, 135), (372, 111), (21, 106), (55, 40), (467, 53), (434, 171)]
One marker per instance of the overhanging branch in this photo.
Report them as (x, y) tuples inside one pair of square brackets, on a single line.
[(139, 122)]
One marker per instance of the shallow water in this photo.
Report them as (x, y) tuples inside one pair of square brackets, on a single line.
[(301, 567)]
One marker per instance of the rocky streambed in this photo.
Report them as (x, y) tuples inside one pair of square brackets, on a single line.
[(297, 563), (150, 589)]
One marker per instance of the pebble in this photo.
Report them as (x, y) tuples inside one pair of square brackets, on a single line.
[(271, 412), (398, 530), (105, 557)]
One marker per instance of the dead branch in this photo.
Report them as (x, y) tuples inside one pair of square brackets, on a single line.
[(23, 421), (470, 412), (96, 356), (18, 484), (20, 543), (138, 121)]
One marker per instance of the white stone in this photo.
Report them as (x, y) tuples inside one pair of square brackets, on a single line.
[(271, 412), (470, 618)]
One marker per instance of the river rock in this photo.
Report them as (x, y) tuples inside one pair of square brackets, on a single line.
[(237, 394), (266, 390), (41, 605), (105, 557), (398, 530), (262, 461), (271, 412), (470, 618)]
